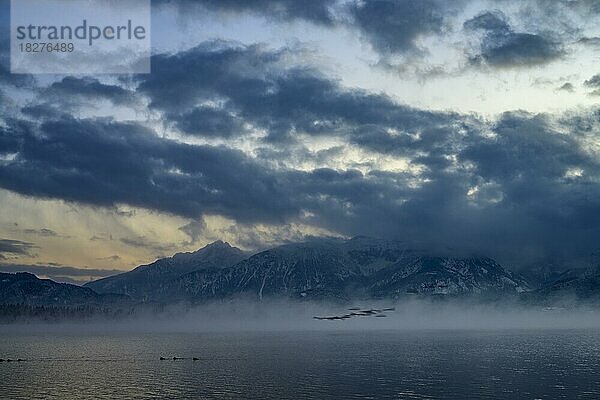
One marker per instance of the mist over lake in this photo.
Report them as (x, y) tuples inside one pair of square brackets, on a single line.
[(276, 349)]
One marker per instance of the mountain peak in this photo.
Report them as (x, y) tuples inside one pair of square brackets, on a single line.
[(217, 244), (218, 248), (146, 280)]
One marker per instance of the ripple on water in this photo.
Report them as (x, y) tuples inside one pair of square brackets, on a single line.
[(304, 365)]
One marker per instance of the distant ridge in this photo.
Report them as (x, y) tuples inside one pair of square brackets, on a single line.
[(25, 288)]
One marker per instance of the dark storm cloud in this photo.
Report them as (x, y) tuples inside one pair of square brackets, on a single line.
[(316, 11), (216, 68), (92, 88), (427, 138), (526, 147), (15, 247), (71, 94), (501, 46), (104, 163), (519, 49), (208, 122), (9, 141), (524, 184), (252, 85), (393, 26), (45, 110), (593, 83), (524, 194), (528, 160), (493, 21)]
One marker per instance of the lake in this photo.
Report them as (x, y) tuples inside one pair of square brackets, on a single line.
[(329, 364)]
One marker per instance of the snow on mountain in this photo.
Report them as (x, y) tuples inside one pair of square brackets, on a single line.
[(146, 280)]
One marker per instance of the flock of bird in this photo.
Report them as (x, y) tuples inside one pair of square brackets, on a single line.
[(357, 312), (10, 360)]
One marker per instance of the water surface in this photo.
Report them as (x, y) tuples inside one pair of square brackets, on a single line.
[(303, 365)]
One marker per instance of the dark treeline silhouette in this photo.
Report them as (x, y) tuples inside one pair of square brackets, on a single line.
[(24, 312)]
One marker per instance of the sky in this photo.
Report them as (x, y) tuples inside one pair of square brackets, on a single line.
[(464, 126)]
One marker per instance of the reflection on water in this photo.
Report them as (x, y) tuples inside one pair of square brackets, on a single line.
[(310, 365)]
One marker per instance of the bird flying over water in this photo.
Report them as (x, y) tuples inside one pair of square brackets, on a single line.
[(357, 312)]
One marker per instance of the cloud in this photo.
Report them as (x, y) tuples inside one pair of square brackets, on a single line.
[(162, 249), (493, 21), (567, 87), (48, 110), (194, 229), (109, 258), (15, 247), (393, 26), (502, 47), (525, 145), (315, 11), (530, 159), (209, 122), (41, 232), (402, 32), (593, 83), (74, 89), (255, 85), (105, 163), (101, 237), (590, 41)]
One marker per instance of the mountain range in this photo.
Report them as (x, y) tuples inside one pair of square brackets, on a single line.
[(25, 288), (319, 269)]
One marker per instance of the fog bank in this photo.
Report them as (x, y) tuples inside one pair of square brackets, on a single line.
[(297, 316)]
